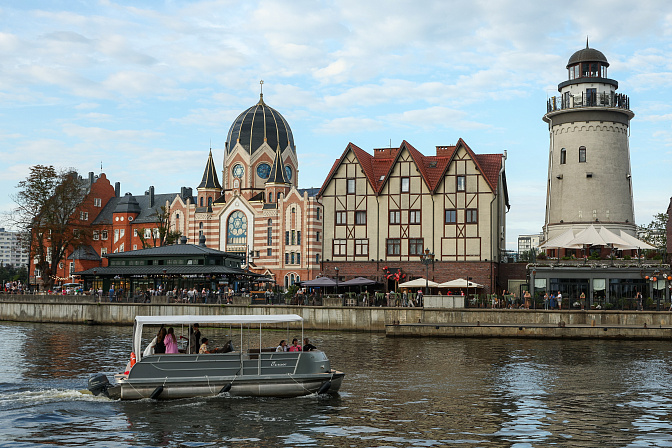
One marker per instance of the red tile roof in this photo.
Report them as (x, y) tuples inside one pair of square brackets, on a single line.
[(432, 168)]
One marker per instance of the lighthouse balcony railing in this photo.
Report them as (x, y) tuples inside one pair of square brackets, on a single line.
[(588, 99)]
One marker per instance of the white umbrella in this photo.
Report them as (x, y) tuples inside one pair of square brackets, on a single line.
[(634, 241), (561, 240), (460, 283), (418, 283)]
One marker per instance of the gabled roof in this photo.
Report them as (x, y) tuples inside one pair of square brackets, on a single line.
[(85, 253), (146, 215), (210, 175), (432, 168)]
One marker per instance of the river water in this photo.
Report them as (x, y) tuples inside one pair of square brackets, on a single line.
[(396, 393)]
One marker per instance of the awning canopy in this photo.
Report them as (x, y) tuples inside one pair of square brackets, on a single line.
[(418, 283), (592, 236), (460, 283), (319, 282), (359, 281)]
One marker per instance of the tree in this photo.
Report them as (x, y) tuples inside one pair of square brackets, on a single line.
[(163, 235), (655, 233), (46, 215)]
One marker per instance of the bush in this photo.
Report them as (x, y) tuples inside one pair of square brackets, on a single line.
[(627, 257), (542, 256)]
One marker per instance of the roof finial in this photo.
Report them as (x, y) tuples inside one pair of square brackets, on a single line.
[(261, 92), (586, 42)]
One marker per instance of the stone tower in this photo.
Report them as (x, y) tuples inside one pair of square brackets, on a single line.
[(589, 180)]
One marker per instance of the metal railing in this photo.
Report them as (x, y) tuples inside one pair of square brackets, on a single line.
[(588, 99)]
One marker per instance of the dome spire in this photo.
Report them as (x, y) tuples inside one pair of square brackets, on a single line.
[(261, 92), (586, 44)]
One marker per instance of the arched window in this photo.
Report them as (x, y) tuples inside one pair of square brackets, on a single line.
[(237, 228), (200, 225), (270, 197), (209, 202), (201, 201), (291, 279), (563, 156), (317, 258), (318, 213), (286, 281), (298, 279), (270, 222)]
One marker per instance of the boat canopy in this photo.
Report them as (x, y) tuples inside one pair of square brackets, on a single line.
[(188, 319), (223, 319)]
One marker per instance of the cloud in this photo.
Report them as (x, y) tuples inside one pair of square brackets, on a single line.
[(101, 135), (434, 117), (349, 125)]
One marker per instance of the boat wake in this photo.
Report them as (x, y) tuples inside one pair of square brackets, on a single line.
[(33, 397)]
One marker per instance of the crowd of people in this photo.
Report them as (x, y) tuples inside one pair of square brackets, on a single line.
[(295, 347)]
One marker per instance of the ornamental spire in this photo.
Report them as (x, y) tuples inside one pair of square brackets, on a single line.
[(210, 175)]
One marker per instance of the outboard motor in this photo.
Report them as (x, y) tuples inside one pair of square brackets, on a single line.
[(98, 384)]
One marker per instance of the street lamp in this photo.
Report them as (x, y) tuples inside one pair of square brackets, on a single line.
[(336, 269), (427, 258)]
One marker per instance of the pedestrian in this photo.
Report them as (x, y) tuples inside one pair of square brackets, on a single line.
[(546, 301), (559, 300)]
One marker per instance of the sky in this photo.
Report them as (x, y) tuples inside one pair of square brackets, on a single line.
[(146, 88)]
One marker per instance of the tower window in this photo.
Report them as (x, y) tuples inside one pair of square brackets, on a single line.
[(351, 186), (582, 154), (405, 184), (563, 156), (201, 201)]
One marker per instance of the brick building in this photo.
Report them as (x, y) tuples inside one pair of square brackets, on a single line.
[(382, 212), (258, 211)]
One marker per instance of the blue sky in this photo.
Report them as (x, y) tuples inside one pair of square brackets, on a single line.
[(146, 87)]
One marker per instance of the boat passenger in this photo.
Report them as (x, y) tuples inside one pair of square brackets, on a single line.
[(171, 342), (307, 346), (194, 337), (295, 347), (204, 347), (282, 347), (160, 346)]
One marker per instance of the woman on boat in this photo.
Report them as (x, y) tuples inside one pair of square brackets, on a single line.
[(282, 347), (160, 346), (295, 346), (171, 342)]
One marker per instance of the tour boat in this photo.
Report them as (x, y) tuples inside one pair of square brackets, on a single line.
[(260, 372)]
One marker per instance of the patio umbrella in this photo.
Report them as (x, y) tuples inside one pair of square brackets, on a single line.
[(359, 281), (459, 283), (320, 281), (418, 283)]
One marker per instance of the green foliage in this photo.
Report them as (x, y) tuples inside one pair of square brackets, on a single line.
[(655, 233), (14, 274), (47, 215)]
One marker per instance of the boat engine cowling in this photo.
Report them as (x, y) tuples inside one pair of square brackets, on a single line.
[(98, 384)]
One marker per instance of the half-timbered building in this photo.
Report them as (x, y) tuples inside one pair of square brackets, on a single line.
[(383, 211)]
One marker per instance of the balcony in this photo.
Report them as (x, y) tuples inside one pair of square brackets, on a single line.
[(564, 102)]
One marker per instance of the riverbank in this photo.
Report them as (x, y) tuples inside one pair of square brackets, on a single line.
[(393, 321)]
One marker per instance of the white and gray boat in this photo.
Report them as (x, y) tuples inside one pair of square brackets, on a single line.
[(252, 372)]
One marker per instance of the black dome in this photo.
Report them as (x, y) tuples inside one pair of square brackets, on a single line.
[(256, 123), (588, 55)]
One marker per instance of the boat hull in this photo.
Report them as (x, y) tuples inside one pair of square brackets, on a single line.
[(265, 374), (268, 386)]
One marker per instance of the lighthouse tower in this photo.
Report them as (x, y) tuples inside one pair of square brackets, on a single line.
[(589, 180)]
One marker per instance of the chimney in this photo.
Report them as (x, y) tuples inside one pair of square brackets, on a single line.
[(183, 239), (117, 189), (201, 240), (151, 197), (91, 177)]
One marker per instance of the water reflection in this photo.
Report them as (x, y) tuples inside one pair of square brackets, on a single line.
[(397, 392)]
